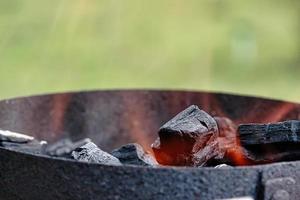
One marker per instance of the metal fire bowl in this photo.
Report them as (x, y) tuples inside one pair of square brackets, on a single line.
[(113, 118)]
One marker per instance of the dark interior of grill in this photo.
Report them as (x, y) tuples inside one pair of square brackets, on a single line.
[(114, 118)]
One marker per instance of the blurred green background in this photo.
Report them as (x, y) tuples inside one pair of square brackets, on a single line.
[(247, 47)]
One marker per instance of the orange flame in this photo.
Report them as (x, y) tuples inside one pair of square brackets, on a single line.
[(229, 142)]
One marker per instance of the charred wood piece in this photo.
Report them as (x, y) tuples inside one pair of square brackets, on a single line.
[(259, 134), (273, 142), (270, 153), (91, 153), (134, 154)]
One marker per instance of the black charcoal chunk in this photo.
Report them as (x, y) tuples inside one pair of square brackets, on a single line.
[(273, 142), (257, 134), (210, 151), (134, 154), (269, 153), (8, 136), (187, 133), (191, 122), (93, 154), (64, 147)]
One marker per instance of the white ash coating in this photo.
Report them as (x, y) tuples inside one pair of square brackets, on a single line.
[(90, 152), (9, 136)]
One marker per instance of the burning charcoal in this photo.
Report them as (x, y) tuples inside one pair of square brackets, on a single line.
[(64, 147), (134, 154), (8, 136), (191, 132), (265, 143), (209, 152), (91, 153), (252, 134), (226, 142), (268, 153), (227, 133)]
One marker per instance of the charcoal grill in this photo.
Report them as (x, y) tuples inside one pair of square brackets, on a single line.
[(113, 118)]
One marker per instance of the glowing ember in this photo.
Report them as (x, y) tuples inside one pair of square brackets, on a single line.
[(188, 140), (194, 138), (191, 138)]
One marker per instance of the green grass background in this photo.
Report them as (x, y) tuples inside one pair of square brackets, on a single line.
[(248, 47)]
